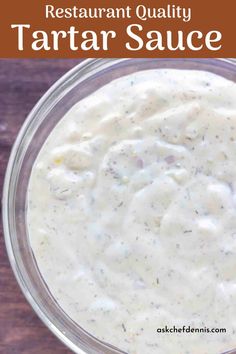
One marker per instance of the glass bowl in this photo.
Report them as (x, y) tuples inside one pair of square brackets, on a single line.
[(81, 81)]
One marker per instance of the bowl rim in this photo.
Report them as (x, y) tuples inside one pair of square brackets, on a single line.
[(85, 64), (5, 203)]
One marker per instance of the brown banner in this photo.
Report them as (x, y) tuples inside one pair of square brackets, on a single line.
[(148, 28)]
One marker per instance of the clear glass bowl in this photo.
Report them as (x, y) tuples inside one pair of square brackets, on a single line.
[(72, 87)]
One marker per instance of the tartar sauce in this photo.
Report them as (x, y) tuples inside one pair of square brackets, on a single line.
[(132, 212)]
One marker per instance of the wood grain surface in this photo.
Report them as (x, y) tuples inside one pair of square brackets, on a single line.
[(22, 83)]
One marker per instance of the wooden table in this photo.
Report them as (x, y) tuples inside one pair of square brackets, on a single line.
[(22, 83)]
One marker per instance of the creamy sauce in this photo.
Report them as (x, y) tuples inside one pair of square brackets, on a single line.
[(132, 212)]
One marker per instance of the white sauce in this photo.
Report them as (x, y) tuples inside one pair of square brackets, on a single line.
[(132, 212)]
